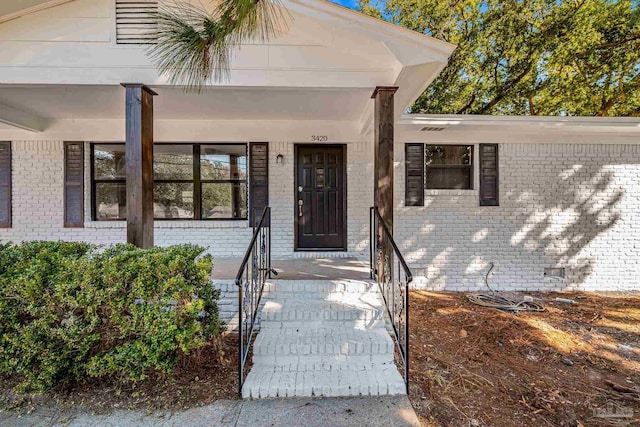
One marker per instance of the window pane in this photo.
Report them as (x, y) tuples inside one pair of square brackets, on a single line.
[(108, 161), (448, 154), (173, 200), (111, 201), (455, 178), (224, 200), (223, 161), (173, 162)]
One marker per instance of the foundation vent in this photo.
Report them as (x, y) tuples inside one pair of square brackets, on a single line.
[(136, 21), (432, 129), (556, 272)]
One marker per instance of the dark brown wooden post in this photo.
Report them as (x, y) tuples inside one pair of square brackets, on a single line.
[(139, 161), (383, 164), (383, 158)]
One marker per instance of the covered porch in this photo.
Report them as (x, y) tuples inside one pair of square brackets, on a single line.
[(312, 266), (312, 86)]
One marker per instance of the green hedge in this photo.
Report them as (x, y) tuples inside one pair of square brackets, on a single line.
[(71, 310)]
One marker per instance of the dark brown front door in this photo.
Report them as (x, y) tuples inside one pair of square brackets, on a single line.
[(320, 197)]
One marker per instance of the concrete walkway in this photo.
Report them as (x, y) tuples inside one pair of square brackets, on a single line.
[(348, 412)]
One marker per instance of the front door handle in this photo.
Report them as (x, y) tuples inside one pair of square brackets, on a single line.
[(300, 203)]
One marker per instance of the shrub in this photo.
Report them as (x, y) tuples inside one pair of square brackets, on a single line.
[(71, 310)]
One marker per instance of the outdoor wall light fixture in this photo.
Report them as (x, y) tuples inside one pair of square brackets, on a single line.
[(280, 159)]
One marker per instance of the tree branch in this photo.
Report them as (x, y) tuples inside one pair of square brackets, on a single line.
[(503, 92)]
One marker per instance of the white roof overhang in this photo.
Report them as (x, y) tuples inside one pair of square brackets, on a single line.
[(63, 64), (452, 128)]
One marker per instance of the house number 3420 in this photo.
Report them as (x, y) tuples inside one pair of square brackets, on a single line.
[(319, 138)]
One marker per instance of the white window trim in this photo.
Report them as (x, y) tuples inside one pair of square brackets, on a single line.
[(173, 224)]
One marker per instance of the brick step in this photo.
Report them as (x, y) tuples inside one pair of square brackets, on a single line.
[(354, 324), (279, 360), (322, 338), (299, 381), (319, 287), (356, 363), (332, 296), (323, 342), (315, 310)]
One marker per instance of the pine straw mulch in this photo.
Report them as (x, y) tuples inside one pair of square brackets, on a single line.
[(572, 365), (202, 378)]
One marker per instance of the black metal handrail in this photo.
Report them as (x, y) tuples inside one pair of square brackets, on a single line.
[(250, 280), (394, 288)]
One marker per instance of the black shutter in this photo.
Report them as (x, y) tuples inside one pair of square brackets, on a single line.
[(414, 175), (258, 179), (5, 184), (489, 178), (74, 184)]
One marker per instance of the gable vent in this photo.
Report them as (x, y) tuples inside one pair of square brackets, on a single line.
[(136, 21), (431, 129)]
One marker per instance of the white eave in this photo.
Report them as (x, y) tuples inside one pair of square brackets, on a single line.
[(453, 122), (431, 49)]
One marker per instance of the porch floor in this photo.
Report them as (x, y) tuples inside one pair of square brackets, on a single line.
[(351, 268)]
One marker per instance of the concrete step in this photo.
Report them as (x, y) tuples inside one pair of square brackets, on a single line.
[(300, 381)]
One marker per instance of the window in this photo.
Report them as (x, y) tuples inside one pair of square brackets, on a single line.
[(223, 177), (173, 181), (191, 181), (449, 167), (108, 182)]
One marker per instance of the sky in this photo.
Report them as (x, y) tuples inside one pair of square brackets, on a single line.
[(348, 3)]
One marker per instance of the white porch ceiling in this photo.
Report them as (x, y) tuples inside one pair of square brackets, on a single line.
[(107, 102)]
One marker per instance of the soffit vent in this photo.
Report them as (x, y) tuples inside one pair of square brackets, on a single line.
[(431, 129), (136, 21)]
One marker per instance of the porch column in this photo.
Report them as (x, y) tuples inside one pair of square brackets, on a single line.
[(383, 168), (139, 164), (383, 152)]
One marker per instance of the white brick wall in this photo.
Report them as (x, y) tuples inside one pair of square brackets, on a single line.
[(38, 188), (561, 205)]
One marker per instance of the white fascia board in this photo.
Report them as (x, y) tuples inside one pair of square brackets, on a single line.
[(516, 136), (559, 123), (21, 119), (517, 129), (408, 46)]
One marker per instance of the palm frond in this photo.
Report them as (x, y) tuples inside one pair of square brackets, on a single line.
[(194, 46), (261, 19)]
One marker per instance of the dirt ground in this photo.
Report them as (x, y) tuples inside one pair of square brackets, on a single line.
[(201, 379), (571, 365)]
